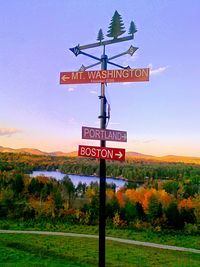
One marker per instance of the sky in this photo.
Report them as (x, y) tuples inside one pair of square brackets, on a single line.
[(161, 116)]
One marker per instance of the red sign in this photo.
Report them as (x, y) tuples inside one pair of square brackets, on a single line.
[(101, 152), (105, 76), (103, 134)]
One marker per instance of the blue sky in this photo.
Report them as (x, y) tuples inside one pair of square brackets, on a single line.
[(160, 116)]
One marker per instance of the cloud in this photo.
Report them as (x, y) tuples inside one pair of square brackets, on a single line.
[(130, 59), (93, 92), (152, 72), (8, 131), (127, 83), (158, 70), (71, 89)]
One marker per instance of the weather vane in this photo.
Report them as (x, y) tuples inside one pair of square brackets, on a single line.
[(116, 28), (104, 76)]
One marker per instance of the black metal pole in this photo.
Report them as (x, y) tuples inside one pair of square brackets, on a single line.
[(102, 189)]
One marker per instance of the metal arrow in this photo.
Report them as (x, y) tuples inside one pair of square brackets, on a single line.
[(117, 65), (83, 68), (130, 52), (76, 50)]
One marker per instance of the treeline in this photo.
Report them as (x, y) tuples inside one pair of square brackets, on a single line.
[(159, 205), (133, 170), (168, 196)]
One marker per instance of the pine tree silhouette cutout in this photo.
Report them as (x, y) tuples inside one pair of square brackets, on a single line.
[(116, 27), (100, 36), (132, 28)]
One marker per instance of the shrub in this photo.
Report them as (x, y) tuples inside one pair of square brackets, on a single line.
[(187, 215), (70, 216), (4, 226), (140, 225), (191, 228), (117, 221)]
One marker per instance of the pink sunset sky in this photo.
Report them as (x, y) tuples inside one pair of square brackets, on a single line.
[(160, 116)]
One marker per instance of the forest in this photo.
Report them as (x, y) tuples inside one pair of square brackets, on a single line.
[(157, 195)]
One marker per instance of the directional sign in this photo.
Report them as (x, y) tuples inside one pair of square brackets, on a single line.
[(101, 152), (105, 76), (103, 134)]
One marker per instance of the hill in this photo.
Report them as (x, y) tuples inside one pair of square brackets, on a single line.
[(129, 155), (167, 158), (23, 150), (35, 151)]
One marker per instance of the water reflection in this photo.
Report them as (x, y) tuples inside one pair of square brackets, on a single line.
[(78, 178)]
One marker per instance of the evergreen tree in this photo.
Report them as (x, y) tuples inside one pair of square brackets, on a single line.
[(173, 216), (100, 36), (132, 28), (116, 27), (58, 201), (69, 189), (154, 209), (18, 184)]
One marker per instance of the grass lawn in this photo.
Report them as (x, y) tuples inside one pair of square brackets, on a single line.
[(41, 250), (175, 238)]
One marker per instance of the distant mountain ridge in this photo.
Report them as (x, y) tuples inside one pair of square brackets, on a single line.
[(23, 150), (33, 151), (137, 154), (129, 155)]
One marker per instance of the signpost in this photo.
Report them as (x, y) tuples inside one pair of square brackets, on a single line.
[(103, 134), (102, 152), (104, 76)]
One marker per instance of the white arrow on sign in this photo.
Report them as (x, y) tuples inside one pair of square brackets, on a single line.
[(119, 155), (65, 78)]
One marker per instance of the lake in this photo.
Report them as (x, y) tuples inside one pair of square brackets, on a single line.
[(78, 178)]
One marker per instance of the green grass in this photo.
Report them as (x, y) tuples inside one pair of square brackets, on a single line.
[(175, 238), (40, 250)]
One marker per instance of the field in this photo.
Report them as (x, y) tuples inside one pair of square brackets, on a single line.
[(173, 238), (39, 250)]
